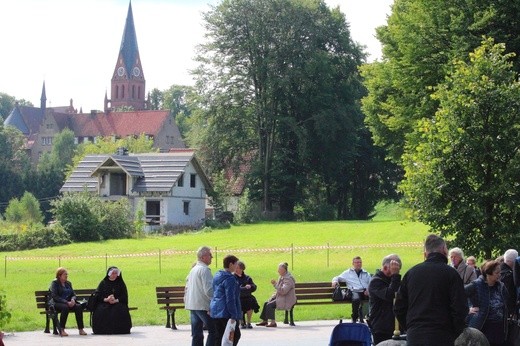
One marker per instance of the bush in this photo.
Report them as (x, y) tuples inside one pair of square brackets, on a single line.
[(216, 224), (225, 216), (5, 315), (246, 209), (88, 218), (34, 239)]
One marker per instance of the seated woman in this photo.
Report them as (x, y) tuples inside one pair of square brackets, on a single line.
[(247, 299), (283, 299), (64, 300), (111, 314)]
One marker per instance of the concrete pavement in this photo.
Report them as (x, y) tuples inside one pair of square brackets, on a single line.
[(305, 333)]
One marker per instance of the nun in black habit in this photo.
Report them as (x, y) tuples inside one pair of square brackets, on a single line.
[(111, 315)]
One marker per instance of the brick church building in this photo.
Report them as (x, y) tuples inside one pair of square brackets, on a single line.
[(126, 112)]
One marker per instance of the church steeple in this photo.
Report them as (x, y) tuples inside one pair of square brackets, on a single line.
[(128, 83), (43, 99)]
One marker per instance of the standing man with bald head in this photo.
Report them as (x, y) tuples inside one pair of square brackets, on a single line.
[(431, 304), (381, 290)]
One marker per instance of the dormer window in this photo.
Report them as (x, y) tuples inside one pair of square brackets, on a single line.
[(193, 179)]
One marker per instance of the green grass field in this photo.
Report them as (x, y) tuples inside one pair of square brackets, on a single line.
[(147, 263)]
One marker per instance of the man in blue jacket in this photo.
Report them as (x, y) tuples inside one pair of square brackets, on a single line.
[(225, 304), (431, 304)]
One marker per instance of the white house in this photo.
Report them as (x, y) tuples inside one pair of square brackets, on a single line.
[(171, 187)]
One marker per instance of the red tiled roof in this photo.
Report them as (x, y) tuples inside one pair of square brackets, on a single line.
[(122, 124)]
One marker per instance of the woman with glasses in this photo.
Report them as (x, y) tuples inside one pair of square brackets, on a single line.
[(488, 304)]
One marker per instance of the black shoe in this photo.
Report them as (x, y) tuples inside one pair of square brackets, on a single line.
[(243, 326), (354, 319), (249, 326)]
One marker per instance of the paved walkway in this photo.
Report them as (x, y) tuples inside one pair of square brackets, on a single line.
[(305, 333)]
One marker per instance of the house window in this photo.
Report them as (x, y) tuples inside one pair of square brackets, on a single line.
[(186, 207), (192, 180), (46, 140), (118, 184), (153, 212), (49, 126), (180, 182), (76, 140)]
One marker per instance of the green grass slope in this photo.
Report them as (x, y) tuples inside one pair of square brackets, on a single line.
[(315, 251)]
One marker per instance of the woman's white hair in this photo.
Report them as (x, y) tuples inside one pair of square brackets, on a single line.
[(456, 251)]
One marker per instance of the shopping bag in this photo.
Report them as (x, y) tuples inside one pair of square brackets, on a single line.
[(229, 334)]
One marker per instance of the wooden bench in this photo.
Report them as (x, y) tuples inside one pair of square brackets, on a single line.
[(171, 298), (313, 293), (41, 303)]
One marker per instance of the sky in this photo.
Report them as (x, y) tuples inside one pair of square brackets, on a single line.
[(73, 45)]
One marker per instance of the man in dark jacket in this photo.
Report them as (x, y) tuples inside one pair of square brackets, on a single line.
[(431, 304), (383, 286), (507, 278)]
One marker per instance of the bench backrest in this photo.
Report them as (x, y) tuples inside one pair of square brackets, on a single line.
[(170, 296), (315, 290), (41, 296)]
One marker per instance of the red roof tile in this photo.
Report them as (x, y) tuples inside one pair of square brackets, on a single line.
[(122, 124)]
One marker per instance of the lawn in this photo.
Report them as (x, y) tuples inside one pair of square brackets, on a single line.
[(315, 251)]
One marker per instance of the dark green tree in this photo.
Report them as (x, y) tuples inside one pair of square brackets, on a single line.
[(462, 175), (280, 85)]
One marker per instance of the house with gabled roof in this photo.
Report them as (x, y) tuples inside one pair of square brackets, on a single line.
[(171, 188)]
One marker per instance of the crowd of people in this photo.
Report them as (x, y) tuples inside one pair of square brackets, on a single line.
[(432, 303)]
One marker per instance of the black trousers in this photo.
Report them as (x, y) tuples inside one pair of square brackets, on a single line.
[(357, 307), (268, 311), (64, 310), (220, 328)]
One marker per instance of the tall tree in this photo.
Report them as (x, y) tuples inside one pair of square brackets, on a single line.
[(462, 177), (419, 42), (279, 79)]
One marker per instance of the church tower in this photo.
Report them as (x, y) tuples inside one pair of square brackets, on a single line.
[(128, 83)]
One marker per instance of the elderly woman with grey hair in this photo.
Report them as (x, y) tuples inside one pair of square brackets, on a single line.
[(283, 299), (466, 273)]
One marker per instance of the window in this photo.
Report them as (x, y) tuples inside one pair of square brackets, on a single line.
[(192, 180), (180, 182), (76, 140), (46, 140), (117, 91), (186, 207), (49, 126)]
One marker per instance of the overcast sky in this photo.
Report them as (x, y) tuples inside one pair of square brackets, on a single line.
[(73, 44)]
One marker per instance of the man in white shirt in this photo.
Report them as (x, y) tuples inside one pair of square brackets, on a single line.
[(357, 280), (197, 296)]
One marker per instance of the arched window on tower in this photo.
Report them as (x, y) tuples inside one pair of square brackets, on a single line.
[(139, 92), (133, 91), (122, 91)]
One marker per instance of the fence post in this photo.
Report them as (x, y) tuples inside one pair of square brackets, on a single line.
[(216, 257), (328, 254), (292, 256), (160, 266), (106, 261), (5, 267), (59, 261)]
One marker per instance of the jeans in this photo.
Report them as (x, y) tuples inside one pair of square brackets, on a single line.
[(199, 318)]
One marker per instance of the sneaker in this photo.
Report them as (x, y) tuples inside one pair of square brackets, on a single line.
[(249, 326)]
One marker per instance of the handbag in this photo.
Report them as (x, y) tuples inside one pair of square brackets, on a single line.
[(341, 294)]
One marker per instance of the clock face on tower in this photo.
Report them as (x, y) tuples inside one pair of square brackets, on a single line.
[(121, 71), (136, 71)]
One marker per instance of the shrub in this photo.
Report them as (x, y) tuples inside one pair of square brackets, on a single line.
[(37, 238), (246, 209), (5, 315)]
